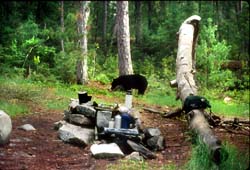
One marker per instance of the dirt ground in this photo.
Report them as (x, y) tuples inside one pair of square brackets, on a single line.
[(42, 150)]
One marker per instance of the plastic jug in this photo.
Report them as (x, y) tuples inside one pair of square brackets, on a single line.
[(118, 120)]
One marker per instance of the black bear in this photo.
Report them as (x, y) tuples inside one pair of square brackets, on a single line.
[(132, 81), (195, 102)]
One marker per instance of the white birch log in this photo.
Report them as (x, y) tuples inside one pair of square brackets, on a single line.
[(185, 69)]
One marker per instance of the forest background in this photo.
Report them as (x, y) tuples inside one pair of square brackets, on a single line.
[(31, 36)]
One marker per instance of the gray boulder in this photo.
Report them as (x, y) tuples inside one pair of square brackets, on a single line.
[(79, 119), (156, 143), (151, 132), (5, 127), (75, 134), (86, 110)]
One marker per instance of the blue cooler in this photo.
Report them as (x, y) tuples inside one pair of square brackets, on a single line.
[(126, 120)]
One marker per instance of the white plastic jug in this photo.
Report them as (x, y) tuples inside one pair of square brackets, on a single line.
[(118, 121)]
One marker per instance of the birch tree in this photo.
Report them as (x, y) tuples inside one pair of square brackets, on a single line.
[(82, 20), (123, 39)]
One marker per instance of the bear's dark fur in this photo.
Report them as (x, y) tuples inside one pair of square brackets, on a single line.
[(128, 82), (195, 102)]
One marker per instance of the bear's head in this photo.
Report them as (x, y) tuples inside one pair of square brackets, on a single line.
[(116, 85)]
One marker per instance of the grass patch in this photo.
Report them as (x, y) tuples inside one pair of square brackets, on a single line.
[(57, 96), (138, 165), (12, 108), (201, 159), (232, 109), (160, 98)]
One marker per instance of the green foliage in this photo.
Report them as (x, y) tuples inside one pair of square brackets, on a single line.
[(146, 68), (107, 69), (65, 66), (210, 55), (201, 158), (102, 78), (31, 36)]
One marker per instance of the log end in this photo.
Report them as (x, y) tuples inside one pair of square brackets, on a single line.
[(173, 83), (219, 155)]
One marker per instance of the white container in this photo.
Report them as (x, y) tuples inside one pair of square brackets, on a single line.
[(128, 99), (111, 123), (118, 121)]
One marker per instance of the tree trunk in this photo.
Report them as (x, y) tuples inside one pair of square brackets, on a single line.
[(62, 24), (104, 36), (188, 34), (150, 8), (138, 22), (123, 39), (82, 19), (218, 16)]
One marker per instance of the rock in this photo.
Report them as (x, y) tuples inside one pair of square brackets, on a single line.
[(151, 132), (86, 110), (73, 104), (134, 156), (5, 127), (147, 154), (103, 118), (227, 99), (156, 143), (59, 124), (75, 134), (137, 117), (79, 119), (27, 127), (111, 150), (66, 115)]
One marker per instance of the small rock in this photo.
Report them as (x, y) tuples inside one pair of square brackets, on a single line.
[(59, 124), (227, 99), (27, 127), (156, 143), (151, 132), (134, 156)]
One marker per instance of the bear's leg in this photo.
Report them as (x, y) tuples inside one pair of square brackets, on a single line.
[(141, 91)]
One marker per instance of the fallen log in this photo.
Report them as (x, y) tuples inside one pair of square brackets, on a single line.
[(153, 110), (185, 70), (235, 120), (170, 114)]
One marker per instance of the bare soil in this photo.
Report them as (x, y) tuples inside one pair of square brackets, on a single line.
[(42, 150)]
